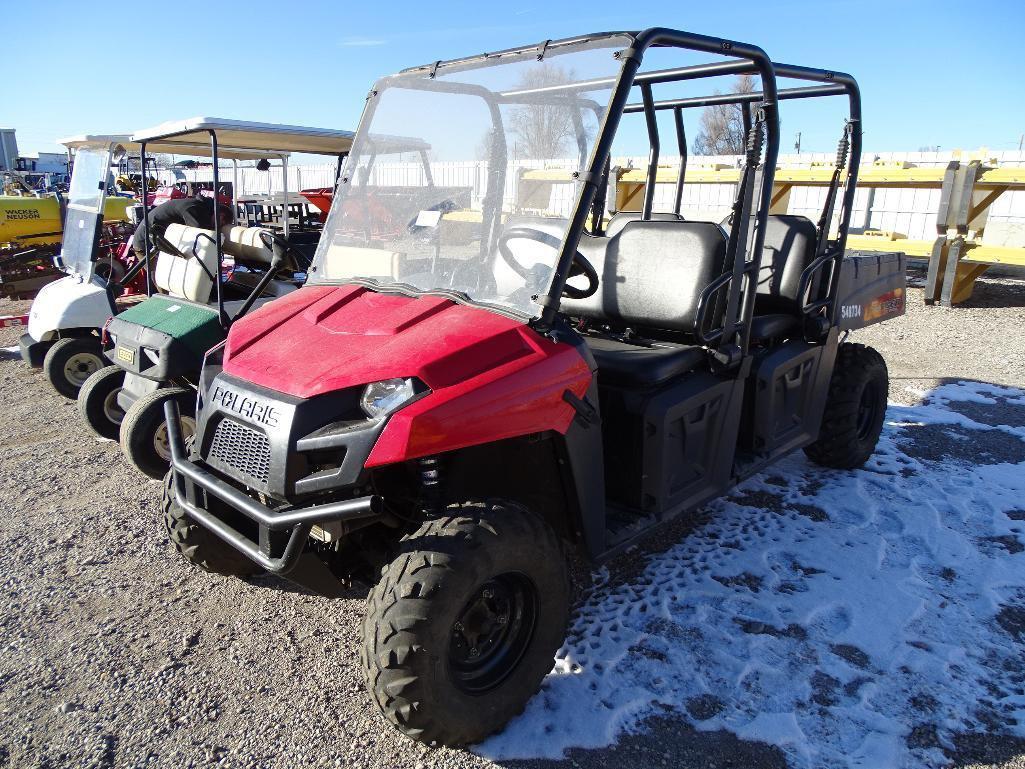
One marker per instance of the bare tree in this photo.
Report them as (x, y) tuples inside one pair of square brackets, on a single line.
[(722, 125), (542, 131)]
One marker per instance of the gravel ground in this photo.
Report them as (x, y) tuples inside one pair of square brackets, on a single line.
[(114, 653)]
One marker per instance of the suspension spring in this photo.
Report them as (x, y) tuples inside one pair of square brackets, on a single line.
[(430, 485), (843, 148)]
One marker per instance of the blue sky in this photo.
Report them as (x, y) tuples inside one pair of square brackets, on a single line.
[(932, 73)]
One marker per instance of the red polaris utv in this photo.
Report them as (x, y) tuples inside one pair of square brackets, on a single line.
[(446, 407)]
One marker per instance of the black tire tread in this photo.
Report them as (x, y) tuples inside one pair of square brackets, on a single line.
[(398, 606), (136, 442), (838, 445), (197, 545), (92, 412), (53, 363)]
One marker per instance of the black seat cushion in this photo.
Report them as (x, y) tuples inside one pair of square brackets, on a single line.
[(634, 366), (773, 326)]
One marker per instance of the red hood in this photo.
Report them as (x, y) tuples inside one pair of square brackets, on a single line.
[(325, 338)]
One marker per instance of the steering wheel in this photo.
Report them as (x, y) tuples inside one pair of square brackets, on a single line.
[(579, 266), (281, 247)]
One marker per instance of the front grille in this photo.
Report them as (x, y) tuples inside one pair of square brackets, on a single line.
[(242, 449)]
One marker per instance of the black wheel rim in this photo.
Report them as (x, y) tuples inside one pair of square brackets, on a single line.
[(868, 410), (492, 632)]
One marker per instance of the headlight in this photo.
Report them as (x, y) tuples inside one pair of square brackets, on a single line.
[(384, 397)]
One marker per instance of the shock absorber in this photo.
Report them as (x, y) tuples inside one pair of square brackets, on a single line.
[(430, 485)]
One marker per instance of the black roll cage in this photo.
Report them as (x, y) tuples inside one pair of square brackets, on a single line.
[(759, 112)]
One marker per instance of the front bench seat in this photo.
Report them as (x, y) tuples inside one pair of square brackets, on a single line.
[(633, 366), (651, 275)]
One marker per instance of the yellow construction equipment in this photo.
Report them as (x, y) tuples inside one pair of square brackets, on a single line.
[(26, 221)]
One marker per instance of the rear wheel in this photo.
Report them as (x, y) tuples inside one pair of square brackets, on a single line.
[(144, 437), (72, 361), (97, 402), (855, 409), (465, 622), (197, 545)]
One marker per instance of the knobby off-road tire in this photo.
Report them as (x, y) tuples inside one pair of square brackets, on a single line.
[(197, 545), (855, 409), (70, 362), (443, 597), (97, 402), (144, 431)]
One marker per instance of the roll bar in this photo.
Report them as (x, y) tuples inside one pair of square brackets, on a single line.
[(747, 60), (743, 58), (761, 125)]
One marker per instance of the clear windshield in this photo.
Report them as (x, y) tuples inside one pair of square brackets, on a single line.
[(92, 164), (464, 182), (85, 207)]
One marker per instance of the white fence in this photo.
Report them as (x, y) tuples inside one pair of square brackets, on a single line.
[(911, 212)]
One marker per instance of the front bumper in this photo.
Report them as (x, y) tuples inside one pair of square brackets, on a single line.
[(192, 481), (33, 352)]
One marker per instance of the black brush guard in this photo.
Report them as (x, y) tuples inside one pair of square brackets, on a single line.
[(298, 520)]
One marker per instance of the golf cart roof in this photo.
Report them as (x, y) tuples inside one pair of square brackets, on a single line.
[(243, 135), (200, 149)]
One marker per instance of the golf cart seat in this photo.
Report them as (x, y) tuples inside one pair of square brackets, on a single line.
[(192, 278), (246, 244), (789, 249), (651, 275), (189, 278)]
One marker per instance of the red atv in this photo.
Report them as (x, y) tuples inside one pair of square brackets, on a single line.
[(449, 406)]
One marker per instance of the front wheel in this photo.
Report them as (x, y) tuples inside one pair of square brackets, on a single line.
[(71, 361), (97, 402), (465, 622), (144, 438), (197, 545), (855, 409)]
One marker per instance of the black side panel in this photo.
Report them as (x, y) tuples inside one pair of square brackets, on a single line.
[(791, 384), (688, 452), (679, 446), (585, 474)]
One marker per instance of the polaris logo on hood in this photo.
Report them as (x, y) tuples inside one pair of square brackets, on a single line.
[(244, 406)]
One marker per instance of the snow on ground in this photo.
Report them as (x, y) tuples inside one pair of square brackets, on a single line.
[(854, 619)]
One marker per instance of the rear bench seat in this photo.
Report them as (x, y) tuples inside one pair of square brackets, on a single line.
[(789, 248), (651, 274)]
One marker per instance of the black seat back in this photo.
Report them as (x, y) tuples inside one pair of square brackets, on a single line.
[(789, 248), (621, 219), (651, 274)]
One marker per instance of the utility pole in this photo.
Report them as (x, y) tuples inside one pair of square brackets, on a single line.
[(1021, 141), (797, 144)]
